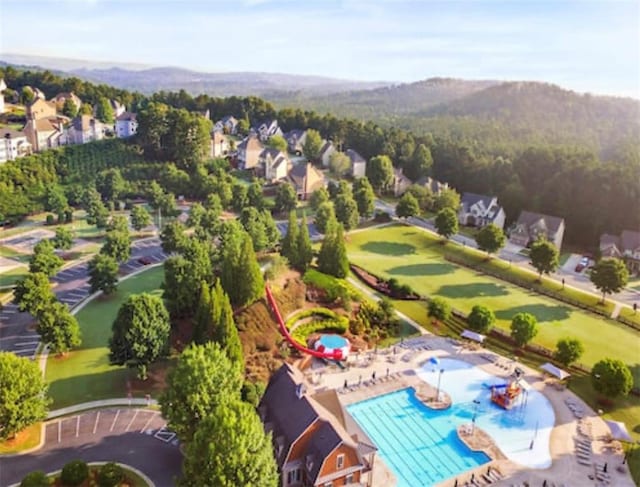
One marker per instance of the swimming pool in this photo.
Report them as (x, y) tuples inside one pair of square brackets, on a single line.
[(421, 445)]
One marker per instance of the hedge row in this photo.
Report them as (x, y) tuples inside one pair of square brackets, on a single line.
[(339, 326)]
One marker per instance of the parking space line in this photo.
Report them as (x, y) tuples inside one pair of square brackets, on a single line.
[(95, 425), (78, 426), (144, 428), (114, 420), (59, 431), (132, 419)]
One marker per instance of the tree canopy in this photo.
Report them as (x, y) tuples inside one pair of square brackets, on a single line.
[(446, 223), (490, 238), (312, 145), (568, 351), (611, 377), (380, 173), (332, 258), (44, 259), (544, 256), (481, 319), (58, 328), (407, 206), (103, 274), (524, 327), (609, 275)]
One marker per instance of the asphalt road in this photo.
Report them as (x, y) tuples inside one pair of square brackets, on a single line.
[(72, 286), (136, 437)]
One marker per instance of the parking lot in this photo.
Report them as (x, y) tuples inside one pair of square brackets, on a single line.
[(314, 234)]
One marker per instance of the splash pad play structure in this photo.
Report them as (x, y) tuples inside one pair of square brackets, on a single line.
[(506, 395), (332, 347)]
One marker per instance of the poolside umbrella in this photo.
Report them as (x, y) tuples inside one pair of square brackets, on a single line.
[(618, 430), (555, 371), (434, 360)]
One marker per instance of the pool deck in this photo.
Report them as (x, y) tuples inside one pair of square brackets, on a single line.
[(395, 369)]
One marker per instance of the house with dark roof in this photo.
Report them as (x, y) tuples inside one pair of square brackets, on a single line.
[(295, 140), (625, 247), (266, 129), (83, 129), (400, 182), (325, 153), (531, 226), (227, 125), (478, 210), (436, 187), (311, 443), (306, 179), (358, 164)]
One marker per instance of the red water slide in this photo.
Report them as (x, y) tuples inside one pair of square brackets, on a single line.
[(334, 355)]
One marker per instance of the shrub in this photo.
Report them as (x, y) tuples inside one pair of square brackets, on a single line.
[(35, 479), (481, 319), (74, 473), (327, 313), (110, 475), (439, 309), (338, 326), (334, 287), (68, 216), (51, 219)]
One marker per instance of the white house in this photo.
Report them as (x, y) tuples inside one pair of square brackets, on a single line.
[(13, 144), (227, 125), (126, 125), (358, 164), (267, 129), (478, 210), (295, 140), (276, 165), (3, 86), (219, 144), (325, 153), (83, 129)]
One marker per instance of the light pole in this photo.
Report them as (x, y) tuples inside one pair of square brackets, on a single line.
[(476, 403), (438, 389)]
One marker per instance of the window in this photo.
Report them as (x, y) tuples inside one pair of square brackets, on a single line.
[(340, 461), (349, 479)]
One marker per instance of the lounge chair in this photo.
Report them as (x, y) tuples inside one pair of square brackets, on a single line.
[(584, 461)]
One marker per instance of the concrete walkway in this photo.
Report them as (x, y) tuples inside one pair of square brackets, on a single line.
[(105, 403)]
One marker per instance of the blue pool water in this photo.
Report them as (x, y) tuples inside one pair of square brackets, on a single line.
[(421, 445), (333, 341), (418, 444)]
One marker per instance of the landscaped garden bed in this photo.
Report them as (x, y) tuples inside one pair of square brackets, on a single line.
[(388, 287)]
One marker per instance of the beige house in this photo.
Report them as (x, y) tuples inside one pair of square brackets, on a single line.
[(249, 153), (40, 108), (400, 182), (531, 226), (306, 179), (276, 165), (83, 129), (61, 98), (625, 247), (44, 133), (219, 144), (325, 153)]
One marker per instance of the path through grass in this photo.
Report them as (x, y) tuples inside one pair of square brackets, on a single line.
[(85, 374)]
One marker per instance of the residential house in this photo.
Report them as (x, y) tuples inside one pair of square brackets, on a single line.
[(39, 108), (227, 125), (204, 113), (13, 144), (325, 153), (249, 153), (276, 165), (44, 133), (84, 129), (266, 129), (306, 179), (219, 144), (400, 182), (311, 443), (61, 98), (126, 125), (295, 140), (38, 94), (625, 247), (530, 226), (358, 164), (477, 210), (433, 185), (3, 86)]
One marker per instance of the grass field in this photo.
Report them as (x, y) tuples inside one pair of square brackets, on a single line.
[(85, 374), (416, 258)]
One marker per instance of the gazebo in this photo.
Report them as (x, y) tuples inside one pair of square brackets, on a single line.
[(557, 372), (472, 335), (619, 431)]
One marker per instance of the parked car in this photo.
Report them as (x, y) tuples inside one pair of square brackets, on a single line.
[(144, 260), (584, 262)]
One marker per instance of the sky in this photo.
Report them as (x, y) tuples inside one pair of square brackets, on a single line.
[(584, 45)]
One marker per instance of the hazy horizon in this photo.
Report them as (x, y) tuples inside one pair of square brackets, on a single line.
[(582, 45)]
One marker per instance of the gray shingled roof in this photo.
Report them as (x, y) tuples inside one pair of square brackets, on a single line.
[(354, 156), (470, 199), (529, 218), (127, 116), (325, 440), (630, 240)]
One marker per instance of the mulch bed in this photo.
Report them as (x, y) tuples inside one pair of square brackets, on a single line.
[(379, 284)]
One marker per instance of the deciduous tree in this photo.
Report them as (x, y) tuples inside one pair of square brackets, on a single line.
[(447, 198), (202, 380), (44, 259), (23, 394), (312, 145), (103, 274), (380, 173), (278, 142), (609, 275), (481, 319), (544, 256), (568, 351), (339, 163), (611, 377), (490, 238), (58, 328), (446, 223), (33, 293), (439, 309), (325, 216), (63, 239), (407, 206), (140, 333), (347, 211), (140, 218), (173, 237), (524, 327), (364, 196), (117, 244), (286, 199)]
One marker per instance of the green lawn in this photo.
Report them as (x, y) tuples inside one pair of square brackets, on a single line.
[(85, 374), (10, 277), (416, 258)]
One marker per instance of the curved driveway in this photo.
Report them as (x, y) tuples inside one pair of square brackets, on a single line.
[(132, 436), (72, 286)]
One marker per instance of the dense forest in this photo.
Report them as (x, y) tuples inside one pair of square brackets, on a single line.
[(569, 181), (503, 116)]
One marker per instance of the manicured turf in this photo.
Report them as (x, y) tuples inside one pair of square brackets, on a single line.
[(10, 277), (85, 374), (416, 258)]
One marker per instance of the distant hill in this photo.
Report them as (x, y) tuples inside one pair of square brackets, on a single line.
[(388, 101), (148, 80), (497, 114)]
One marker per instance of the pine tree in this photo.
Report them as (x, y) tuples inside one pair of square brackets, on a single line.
[(225, 331), (333, 253), (202, 317), (251, 285), (303, 245), (289, 247)]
